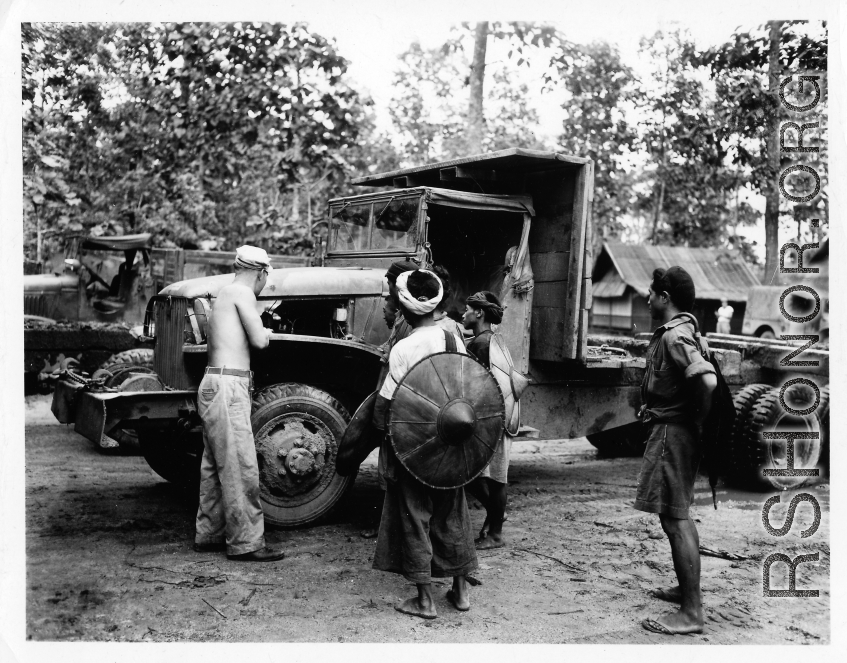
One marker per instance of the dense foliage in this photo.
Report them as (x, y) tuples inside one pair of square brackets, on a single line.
[(210, 135)]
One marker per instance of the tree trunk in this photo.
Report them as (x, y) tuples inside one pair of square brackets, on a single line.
[(657, 210), (38, 238), (772, 195), (476, 119)]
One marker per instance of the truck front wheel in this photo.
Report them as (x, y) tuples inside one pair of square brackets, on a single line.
[(174, 455), (297, 429)]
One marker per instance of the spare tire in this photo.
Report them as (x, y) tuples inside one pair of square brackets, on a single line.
[(136, 357), (768, 415)]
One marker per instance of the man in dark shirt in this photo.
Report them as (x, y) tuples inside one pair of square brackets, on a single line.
[(676, 394), (482, 310)]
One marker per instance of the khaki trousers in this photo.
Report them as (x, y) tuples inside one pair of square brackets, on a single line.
[(230, 509)]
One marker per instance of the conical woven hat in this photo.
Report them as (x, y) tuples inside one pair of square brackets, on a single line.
[(446, 419)]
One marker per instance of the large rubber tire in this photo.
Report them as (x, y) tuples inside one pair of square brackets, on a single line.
[(739, 470), (768, 415), (278, 412), (136, 357), (623, 442), (173, 455)]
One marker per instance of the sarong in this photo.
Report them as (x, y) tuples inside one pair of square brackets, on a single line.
[(230, 509), (498, 469), (424, 533)]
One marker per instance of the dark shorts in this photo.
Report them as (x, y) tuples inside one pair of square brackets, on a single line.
[(668, 471)]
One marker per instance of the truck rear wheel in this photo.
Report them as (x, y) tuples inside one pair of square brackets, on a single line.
[(297, 429), (744, 400), (623, 441), (768, 415), (173, 455)]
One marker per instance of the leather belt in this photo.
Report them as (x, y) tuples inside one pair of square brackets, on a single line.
[(230, 371)]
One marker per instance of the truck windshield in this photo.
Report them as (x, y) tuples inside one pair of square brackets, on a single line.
[(393, 223), (350, 228), (382, 225)]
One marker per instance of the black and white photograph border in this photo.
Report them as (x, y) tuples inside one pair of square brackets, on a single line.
[(72, 509)]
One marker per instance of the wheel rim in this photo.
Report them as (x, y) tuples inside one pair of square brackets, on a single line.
[(296, 454)]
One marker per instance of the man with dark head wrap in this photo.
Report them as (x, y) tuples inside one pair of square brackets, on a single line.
[(482, 310), (424, 532), (442, 319)]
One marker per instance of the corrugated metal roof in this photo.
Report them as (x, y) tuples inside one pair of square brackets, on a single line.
[(717, 273), (611, 285)]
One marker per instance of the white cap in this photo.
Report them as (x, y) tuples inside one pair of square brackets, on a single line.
[(252, 257)]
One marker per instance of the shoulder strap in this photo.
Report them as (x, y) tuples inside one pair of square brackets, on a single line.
[(687, 317), (449, 341)]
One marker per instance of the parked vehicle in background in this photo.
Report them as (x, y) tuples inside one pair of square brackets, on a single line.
[(103, 279), (88, 313), (764, 320)]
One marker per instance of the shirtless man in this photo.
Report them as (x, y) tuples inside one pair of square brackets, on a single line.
[(230, 513)]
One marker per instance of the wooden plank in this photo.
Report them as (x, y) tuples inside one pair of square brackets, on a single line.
[(546, 333), (583, 334), (553, 294), (550, 266), (570, 346), (551, 232), (588, 266)]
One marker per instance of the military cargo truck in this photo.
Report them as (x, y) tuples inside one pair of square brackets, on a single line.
[(515, 222)]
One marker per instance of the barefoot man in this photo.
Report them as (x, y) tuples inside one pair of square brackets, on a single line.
[(482, 310), (230, 513), (424, 532), (676, 394)]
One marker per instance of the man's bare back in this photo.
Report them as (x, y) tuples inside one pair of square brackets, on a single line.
[(234, 326)]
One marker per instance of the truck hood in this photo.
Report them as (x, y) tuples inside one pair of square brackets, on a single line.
[(34, 283), (294, 282)]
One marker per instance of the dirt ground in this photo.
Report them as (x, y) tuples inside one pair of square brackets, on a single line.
[(109, 559)]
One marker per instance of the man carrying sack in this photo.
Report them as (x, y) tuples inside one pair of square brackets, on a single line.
[(424, 532), (230, 514)]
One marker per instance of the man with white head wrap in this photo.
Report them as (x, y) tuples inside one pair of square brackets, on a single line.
[(424, 532), (230, 515)]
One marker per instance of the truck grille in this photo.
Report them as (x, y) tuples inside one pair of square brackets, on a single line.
[(35, 305), (168, 360)]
